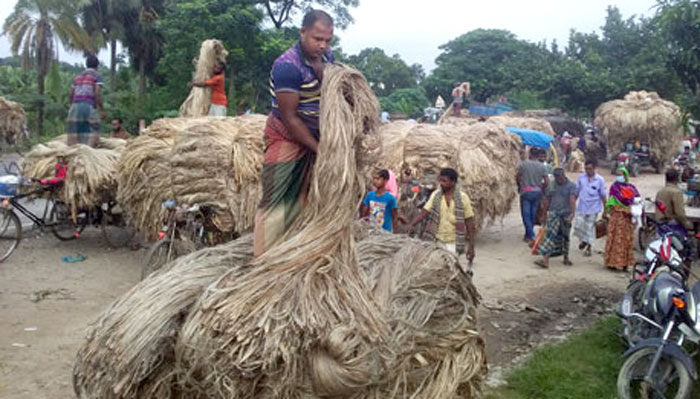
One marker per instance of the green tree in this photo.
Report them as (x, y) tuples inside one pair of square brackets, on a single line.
[(33, 28), (280, 11), (409, 101), (144, 42), (385, 74), (494, 61), (679, 22), (106, 21)]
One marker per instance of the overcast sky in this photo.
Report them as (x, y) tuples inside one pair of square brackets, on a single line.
[(415, 29)]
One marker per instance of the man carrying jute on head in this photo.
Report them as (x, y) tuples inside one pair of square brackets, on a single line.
[(292, 129)]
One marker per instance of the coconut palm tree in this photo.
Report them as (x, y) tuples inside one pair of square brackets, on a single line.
[(35, 27), (106, 21)]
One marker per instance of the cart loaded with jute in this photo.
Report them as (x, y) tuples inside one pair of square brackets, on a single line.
[(336, 309), (88, 185)]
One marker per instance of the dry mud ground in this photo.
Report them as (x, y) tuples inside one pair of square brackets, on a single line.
[(46, 304)]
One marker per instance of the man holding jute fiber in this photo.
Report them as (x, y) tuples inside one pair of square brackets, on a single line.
[(292, 129), (451, 218)]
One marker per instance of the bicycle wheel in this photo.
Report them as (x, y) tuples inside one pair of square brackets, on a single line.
[(10, 233), (157, 256), (62, 224), (114, 227)]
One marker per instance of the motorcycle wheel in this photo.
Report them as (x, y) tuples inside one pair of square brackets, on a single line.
[(635, 330), (671, 379)]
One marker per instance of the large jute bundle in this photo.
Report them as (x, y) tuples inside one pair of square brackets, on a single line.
[(538, 124), (642, 116), (209, 161), (334, 310), (458, 121), (199, 99), (484, 154), (13, 121), (91, 177)]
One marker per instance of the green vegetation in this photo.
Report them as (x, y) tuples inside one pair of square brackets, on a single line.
[(160, 38), (584, 366)]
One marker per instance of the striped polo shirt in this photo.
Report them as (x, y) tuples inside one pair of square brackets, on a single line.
[(84, 87), (291, 72)]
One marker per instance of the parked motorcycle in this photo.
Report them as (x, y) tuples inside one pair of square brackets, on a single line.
[(663, 254), (660, 367)]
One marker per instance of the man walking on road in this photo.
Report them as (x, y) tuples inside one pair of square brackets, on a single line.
[(532, 181), (560, 204), (591, 199)]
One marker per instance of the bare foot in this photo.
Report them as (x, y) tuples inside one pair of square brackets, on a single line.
[(542, 264), (567, 262)]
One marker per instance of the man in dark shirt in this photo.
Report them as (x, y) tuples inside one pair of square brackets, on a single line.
[(560, 206), (292, 129)]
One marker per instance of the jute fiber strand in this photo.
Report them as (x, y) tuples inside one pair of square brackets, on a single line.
[(209, 161), (13, 121), (91, 175), (642, 116), (457, 121), (539, 124), (130, 350), (199, 99)]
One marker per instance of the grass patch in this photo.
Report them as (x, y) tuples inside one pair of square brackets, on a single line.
[(584, 366)]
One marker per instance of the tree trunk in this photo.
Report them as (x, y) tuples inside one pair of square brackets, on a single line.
[(142, 86), (40, 104), (113, 67)]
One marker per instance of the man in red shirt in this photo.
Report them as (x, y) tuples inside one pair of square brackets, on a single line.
[(218, 90)]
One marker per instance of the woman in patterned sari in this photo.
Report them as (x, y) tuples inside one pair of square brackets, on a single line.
[(619, 245)]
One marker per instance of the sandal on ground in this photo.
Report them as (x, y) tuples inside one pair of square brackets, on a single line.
[(567, 262), (541, 264)]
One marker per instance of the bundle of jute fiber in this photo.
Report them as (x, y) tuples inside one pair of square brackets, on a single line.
[(217, 162), (304, 322), (577, 161), (91, 172), (130, 352), (143, 175), (539, 124), (642, 116), (199, 99), (487, 159), (214, 162), (13, 121), (458, 121)]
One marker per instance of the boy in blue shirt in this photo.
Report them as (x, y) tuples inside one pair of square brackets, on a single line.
[(379, 206)]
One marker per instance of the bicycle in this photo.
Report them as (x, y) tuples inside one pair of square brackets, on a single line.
[(186, 229)]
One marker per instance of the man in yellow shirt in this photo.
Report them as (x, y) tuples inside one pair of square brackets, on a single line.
[(452, 222)]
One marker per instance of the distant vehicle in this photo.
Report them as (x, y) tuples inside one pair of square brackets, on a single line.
[(634, 157)]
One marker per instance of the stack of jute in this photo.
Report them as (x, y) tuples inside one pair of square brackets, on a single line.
[(199, 99), (91, 177), (458, 121), (538, 124), (13, 121), (577, 161), (333, 310), (485, 155), (214, 162), (642, 116)]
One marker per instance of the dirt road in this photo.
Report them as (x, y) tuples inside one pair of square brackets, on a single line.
[(46, 304)]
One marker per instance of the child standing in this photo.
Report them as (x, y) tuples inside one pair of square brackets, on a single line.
[(379, 206)]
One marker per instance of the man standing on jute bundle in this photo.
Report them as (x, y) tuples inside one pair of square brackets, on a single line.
[(292, 129), (451, 218), (83, 124)]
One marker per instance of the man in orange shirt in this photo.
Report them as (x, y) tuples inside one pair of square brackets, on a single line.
[(218, 91)]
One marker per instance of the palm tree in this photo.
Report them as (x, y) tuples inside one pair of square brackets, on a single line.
[(106, 21), (34, 28)]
